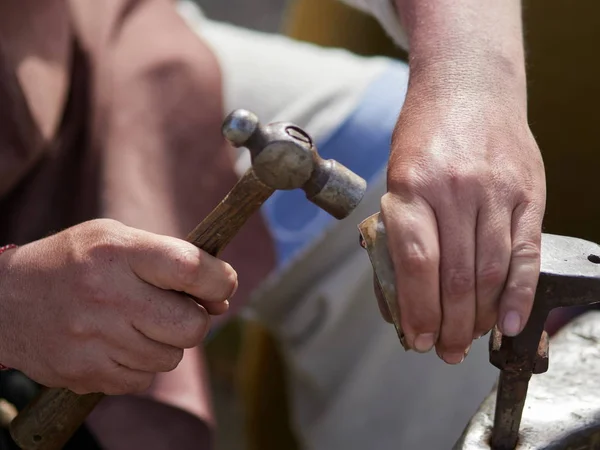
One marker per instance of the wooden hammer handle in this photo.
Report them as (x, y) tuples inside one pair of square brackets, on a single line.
[(218, 228), (50, 420)]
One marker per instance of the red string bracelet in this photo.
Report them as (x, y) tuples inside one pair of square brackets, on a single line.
[(2, 250)]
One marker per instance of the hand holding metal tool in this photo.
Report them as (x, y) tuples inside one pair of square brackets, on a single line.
[(570, 276), (283, 157)]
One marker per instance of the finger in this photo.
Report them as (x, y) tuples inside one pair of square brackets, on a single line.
[(171, 318), (140, 353), (214, 308), (517, 298), (457, 279), (383, 307), (492, 263), (127, 381), (116, 380), (413, 242), (174, 264)]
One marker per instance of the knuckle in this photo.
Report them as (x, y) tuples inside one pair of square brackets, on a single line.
[(520, 292), (458, 282), (512, 178), (188, 267), (528, 196), (526, 249), (98, 232), (105, 248), (421, 319), (196, 328), (491, 274), (77, 327), (105, 224), (408, 179), (457, 179), (93, 289), (418, 260)]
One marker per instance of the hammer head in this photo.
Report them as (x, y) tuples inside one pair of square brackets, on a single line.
[(284, 158)]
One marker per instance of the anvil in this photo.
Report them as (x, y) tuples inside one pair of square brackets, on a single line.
[(563, 405), (569, 276)]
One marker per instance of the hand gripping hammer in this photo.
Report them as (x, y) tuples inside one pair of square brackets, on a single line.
[(283, 157), (569, 276)]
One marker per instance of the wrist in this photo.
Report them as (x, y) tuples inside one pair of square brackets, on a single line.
[(470, 46), (468, 71)]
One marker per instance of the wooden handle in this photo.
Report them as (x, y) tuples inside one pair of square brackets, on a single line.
[(50, 420), (218, 228)]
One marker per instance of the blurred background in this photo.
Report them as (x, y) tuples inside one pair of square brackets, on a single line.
[(264, 15)]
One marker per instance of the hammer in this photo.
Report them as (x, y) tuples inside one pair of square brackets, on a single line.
[(283, 157), (569, 276)]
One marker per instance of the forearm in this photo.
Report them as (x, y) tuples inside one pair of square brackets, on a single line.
[(471, 44)]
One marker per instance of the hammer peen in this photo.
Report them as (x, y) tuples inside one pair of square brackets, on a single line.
[(569, 276), (283, 158)]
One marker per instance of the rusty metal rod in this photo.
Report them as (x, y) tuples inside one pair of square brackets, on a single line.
[(512, 391)]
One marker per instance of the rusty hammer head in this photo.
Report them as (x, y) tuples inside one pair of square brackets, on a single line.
[(284, 158)]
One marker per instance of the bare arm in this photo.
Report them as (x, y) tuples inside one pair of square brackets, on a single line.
[(472, 44), (466, 179)]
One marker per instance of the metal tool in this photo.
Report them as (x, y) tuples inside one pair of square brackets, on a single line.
[(563, 405), (283, 157), (570, 276)]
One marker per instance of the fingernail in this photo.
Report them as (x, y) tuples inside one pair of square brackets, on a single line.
[(424, 342), (454, 358), (511, 326)]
